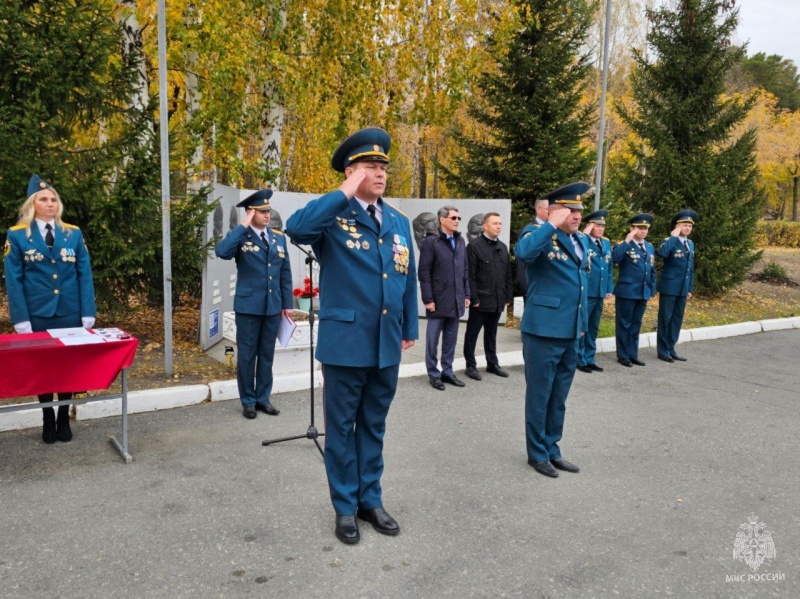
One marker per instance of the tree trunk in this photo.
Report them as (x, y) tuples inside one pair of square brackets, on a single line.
[(423, 173), (795, 186)]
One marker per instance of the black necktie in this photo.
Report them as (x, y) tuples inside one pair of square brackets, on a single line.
[(686, 245), (641, 245), (264, 239), (48, 238), (599, 245), (373, 216)]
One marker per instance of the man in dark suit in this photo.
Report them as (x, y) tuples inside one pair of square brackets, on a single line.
[(263, 294), (367, 318), (636, 285), (556, 258), (676, 283), (600, 287), (444, 285), (491, 288)]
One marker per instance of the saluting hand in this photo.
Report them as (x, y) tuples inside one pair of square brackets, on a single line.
[(589, 228), (629, 236), (350, 185), (558, 215), (676, 231), (248, 217)]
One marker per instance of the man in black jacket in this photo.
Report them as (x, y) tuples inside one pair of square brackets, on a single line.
[(444, 285), (491, 290)]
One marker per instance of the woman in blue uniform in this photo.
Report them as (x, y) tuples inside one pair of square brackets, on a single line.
[(48, 281)]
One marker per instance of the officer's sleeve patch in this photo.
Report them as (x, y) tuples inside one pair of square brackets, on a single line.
[(528, 234), (7, 249)]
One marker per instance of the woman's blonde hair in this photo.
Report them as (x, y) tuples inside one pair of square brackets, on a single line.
[(27, 212)]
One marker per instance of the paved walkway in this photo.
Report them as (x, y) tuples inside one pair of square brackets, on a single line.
[(674, 458)]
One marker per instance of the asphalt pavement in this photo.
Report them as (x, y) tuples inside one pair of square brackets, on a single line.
[(674, 459)]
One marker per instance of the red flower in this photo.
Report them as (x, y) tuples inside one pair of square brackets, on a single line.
[(307, 290)]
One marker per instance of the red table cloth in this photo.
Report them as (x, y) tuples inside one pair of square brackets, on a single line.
[(36, 363)]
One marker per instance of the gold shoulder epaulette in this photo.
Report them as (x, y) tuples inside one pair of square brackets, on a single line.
[(16, 227), (277, 231), (395, 209), (69, 226)]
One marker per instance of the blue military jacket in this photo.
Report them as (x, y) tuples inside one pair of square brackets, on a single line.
[(557, 282), (677, 276), (637, 272), (368, 282), (601, 280), (264, 277), (42, 282)]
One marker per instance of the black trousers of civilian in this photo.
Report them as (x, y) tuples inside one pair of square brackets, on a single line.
[(475, 322)]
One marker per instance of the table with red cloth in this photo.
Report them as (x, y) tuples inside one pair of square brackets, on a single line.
[(38, 363)]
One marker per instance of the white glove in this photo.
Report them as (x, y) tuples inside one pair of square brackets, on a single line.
[(88, 321), (23, 327)]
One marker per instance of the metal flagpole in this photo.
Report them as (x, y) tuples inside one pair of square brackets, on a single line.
[(599, 169), (165, 201)]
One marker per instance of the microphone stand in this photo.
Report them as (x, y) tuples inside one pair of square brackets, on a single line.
[(312, 432)]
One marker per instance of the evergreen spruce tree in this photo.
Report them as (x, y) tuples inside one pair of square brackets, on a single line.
[(531, 120), (683, 154)]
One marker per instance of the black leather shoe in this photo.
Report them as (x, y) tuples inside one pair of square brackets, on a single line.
[(545, 468), (436, 383), (49, 432), (347, 529), (625, 362), (665, 358), (678, 358), (586, 368), (564, 465), (249, 413), (496, 370), (637, 361), (595, 367), (473, 373), (453, 380), (380, 519), (268, 409), (63, 431)]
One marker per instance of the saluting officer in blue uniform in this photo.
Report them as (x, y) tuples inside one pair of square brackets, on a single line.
[(636, 284), (367, 317), (263, 295), (601, 286), (48, 281), (556, 259), (676, 283)]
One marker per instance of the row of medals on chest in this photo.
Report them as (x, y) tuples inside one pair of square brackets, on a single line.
[(67, 255), (399, 247), (252, 247)]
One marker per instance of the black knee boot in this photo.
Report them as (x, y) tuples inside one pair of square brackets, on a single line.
[(63, 431), (49, 419)]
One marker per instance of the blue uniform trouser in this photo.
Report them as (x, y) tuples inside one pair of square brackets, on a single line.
[(255, 340), (587, 345), (356, 401), (670, 320), (448, 328), (628, 324), (549, 369)]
